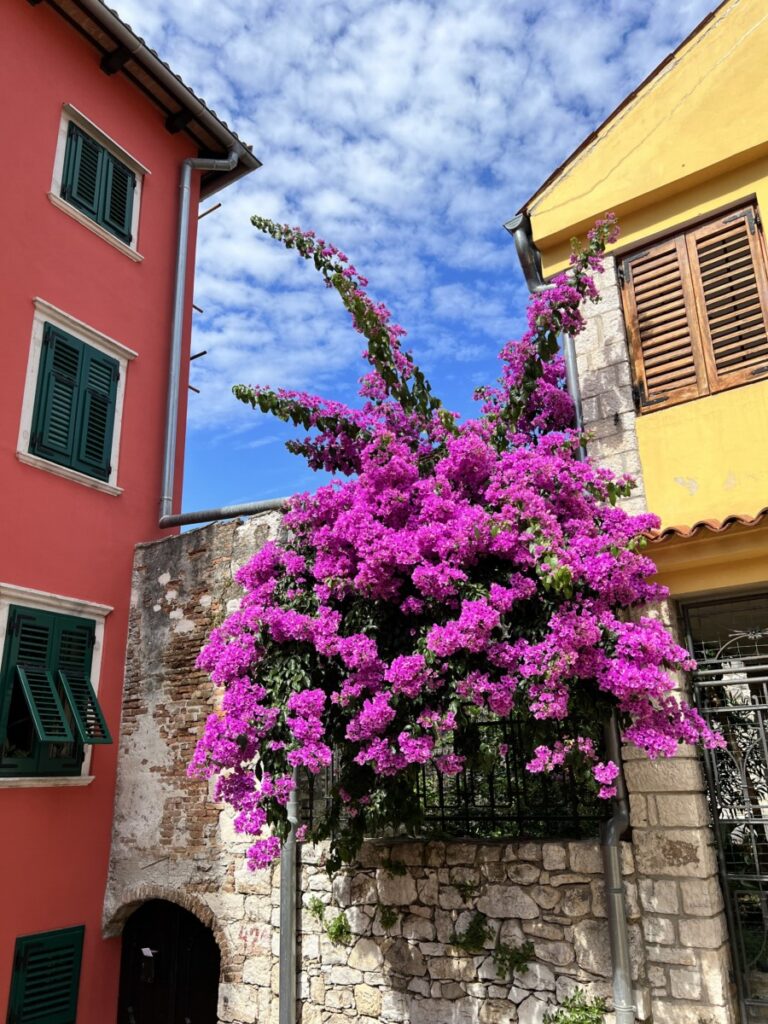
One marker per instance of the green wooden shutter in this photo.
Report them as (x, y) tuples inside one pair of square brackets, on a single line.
[(56, 400), (46, 977), (75, 644), (32, 654), (84, 172), (98, 183), (117, 201), (96, 414)]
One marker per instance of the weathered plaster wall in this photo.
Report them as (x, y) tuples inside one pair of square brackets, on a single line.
[(171, 842)]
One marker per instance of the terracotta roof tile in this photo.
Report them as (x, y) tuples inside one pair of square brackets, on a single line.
[(711, 525)]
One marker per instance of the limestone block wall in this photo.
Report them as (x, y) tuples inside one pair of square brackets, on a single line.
[(681, 901), (407, 902), (606, 386), (171, 842)]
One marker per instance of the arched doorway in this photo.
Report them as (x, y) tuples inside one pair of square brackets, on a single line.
[(169, 971)]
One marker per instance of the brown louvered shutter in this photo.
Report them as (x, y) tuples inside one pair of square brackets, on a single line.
[(663, 327), (728, 271)]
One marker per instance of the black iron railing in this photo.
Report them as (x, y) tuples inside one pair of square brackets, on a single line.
[(498, 797)]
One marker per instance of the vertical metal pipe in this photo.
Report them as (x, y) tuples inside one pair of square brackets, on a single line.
[(610, 837), (574, 388), (615, 827), (288, 886), (177, 320)]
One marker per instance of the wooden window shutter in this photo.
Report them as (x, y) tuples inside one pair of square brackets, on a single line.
[(32, 660), (728, 271), (84, 172), (119, 186), (56, 400), (74, 669), (663, 329), (96, 414), (46, 977), (97, 183)]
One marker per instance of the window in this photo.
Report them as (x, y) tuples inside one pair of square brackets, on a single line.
[(71, 414), (46, 977), (696, 308), (74, 412), (97, 183), (48, 706)]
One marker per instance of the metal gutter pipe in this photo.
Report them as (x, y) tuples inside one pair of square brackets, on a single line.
[(288, 880), (614, 827), (177, 322), (167, 518), (610, 837), (208, 515)]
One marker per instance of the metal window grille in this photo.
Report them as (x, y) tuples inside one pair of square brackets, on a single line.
[(730, 643)]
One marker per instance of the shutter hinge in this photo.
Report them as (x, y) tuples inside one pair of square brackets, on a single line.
[(621, 274), (109, 471), (15, 625), (748, 215), (34, 440), (758, 370), (641, 399)]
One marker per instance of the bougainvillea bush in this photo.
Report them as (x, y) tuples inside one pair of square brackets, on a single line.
[(450, 573)]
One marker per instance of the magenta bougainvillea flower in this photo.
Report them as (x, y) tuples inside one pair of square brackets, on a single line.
[(451, 573)]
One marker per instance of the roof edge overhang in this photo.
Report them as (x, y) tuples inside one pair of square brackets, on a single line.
[(712, 555), (213, 137)]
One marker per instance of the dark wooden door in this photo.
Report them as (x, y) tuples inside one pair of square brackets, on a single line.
[(169, 972)]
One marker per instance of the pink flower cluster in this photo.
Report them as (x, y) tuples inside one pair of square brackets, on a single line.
[(461, 573)]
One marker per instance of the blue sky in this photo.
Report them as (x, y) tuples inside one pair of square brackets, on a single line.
[(406, 132)]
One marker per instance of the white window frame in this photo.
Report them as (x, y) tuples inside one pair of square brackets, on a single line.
[(72, 114), (47, 313), (41, 600)]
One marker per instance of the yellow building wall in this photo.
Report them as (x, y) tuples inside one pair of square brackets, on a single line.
[(708, 458), (693, 141), (701, 115)]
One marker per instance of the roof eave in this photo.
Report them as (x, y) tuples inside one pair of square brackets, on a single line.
[(140, 53)]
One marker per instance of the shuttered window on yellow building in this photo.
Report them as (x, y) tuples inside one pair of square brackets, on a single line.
[(696, 309)]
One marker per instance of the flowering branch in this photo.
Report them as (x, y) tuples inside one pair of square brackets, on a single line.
[(462, 574)]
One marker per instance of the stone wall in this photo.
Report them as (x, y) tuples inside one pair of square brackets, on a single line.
[(606, 386), (408, 967), (684, 926), (171, 842)]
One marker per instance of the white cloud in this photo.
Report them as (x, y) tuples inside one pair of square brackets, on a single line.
[(406, 131)]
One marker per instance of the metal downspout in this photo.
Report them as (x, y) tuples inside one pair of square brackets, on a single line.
[(614, 828), (177, 324), (610, 837), (288, 885), (167, 519), (288, 879)]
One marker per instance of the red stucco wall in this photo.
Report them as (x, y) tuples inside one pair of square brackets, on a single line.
[(60, 536)]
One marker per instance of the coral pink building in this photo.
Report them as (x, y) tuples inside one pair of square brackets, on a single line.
[(91, 310)]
